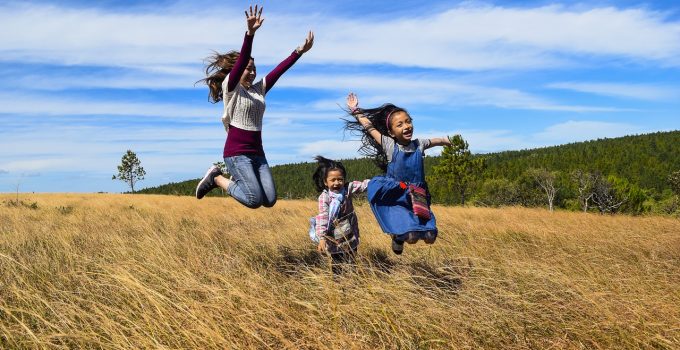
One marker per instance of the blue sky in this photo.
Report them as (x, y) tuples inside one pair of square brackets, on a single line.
[(82, 82)]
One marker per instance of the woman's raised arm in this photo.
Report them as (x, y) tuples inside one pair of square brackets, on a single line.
[(253, 20), (277, 72)]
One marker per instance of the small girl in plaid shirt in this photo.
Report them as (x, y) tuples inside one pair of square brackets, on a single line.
[(335, 228)]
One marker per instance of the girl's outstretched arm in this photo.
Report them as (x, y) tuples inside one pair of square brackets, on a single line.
[(440, 141), (277, 72), (353, 105), (357, 186), (254, 20)]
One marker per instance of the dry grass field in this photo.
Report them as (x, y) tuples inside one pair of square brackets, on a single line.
[(139, 271)]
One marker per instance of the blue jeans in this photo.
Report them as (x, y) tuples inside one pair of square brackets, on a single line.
[(252, 183)]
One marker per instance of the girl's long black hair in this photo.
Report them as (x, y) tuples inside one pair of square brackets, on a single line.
[(324, 166), (369, 146)]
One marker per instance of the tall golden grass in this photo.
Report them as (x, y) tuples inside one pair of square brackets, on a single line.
[(134, 271)]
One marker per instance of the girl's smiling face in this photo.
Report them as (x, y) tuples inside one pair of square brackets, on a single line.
[(335, 179), (401, 127)]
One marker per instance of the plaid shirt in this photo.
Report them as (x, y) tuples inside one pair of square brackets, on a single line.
[(323, 218)]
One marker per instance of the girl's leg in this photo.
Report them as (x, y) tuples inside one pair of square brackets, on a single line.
[(244, 185), (266, 181), (430, 237), (397, 245), (413, 237)]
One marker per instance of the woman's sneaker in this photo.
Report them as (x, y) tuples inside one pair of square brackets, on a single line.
[(207, 183)]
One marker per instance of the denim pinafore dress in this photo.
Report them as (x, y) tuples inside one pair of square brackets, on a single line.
[(391, 204)]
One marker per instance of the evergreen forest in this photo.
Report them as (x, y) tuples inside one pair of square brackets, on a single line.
[(631, 174)]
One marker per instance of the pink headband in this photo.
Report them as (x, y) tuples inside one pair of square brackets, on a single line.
[(387, 120)]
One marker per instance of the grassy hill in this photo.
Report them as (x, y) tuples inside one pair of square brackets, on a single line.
[(643, 160), (128, 272)]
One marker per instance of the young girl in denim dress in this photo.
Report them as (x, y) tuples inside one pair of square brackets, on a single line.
[(400, 198)]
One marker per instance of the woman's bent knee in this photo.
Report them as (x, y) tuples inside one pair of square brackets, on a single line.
[(269, 204), (252, 201)]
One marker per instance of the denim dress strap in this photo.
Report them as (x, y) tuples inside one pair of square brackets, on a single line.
[(407, 166)]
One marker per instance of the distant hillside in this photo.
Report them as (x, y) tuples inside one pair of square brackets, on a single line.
[(645, 160)]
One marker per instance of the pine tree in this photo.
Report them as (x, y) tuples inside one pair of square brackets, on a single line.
[(130, 170), (457, 168)]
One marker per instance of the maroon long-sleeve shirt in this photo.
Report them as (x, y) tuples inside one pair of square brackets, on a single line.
[(249, 102)]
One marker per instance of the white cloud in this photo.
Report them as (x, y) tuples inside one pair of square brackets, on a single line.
[(407, 90), (649, 92), (573, 131), (425, 90), (483, 141), (163, 148), (488, 141), (467, 37), (330, 149), (37, 164), (134, 78), (16, 103)]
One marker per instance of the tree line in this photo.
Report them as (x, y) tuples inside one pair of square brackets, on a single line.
[(632, 174)]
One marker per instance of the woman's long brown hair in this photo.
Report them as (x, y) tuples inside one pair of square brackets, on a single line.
[(219, 66)]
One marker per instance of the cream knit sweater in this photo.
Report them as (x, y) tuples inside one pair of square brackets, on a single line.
[(243, 108)]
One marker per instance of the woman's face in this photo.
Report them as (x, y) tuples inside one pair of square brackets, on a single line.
[(249, 74)]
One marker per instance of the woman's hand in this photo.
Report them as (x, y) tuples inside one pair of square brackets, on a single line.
[(352, 102), (309, 42), (254, 19)]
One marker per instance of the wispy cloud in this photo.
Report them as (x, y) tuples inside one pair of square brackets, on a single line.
[(417, 89), (23, 103), (485, 141), (124, 78), (408, 89), (36, 164), (573, 131), (466, 37), (651, 92), (330, 149)]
